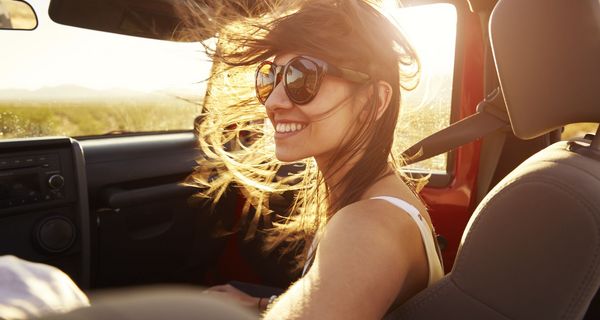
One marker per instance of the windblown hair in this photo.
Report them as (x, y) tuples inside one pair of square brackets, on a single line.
[(237, 145)]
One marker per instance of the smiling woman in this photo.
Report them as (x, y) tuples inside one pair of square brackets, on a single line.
[(328, 77), (231, 104)]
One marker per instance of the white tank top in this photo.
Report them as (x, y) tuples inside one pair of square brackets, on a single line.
[(436, 271)]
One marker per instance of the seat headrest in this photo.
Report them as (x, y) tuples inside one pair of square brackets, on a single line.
[(548, 58)]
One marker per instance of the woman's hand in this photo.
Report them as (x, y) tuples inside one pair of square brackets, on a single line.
[(229, 292)]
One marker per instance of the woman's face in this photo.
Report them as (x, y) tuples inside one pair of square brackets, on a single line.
[(315, 129)]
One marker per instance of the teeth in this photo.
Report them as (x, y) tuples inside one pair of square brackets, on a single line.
[(289, 127)]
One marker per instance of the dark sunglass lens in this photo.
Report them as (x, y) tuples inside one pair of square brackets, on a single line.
[(265, 82), (301, 80)]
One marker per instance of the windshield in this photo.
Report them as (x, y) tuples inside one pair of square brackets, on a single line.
[(60, 80)]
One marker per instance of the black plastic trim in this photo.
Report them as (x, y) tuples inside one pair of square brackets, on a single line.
[(84, 214), (134, 158)]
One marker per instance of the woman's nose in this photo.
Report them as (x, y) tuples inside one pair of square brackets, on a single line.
[(278, 99)]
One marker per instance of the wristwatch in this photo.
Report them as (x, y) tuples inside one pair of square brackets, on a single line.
[(271, 300)]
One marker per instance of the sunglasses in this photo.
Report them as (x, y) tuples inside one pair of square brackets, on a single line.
[(301, 77)]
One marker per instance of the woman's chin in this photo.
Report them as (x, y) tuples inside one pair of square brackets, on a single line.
[(288, 157)]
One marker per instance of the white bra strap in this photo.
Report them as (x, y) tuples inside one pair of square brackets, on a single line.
[(414, 212)]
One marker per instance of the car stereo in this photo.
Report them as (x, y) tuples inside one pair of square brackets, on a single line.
[(44, 214), (30, 179)]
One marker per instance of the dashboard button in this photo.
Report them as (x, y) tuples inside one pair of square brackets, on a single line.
[(57, 195), (56, 181)]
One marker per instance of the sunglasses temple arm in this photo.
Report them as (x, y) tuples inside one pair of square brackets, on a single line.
[(351, 75)]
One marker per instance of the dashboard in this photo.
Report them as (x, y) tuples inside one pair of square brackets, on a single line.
[(113, 212), (43, 213)]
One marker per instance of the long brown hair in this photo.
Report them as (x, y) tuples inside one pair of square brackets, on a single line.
[(348, 33)]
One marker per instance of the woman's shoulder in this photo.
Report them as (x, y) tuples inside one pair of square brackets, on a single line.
[(374, 216), (392, 196), (376, 232)]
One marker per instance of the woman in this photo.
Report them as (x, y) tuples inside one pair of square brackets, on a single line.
[(329, 78)]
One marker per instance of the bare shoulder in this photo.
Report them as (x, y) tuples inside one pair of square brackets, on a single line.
[(361, 238), (373, 227), (365, 236), (374, 216)]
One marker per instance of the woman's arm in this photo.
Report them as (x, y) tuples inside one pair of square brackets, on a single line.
[(365, 255)]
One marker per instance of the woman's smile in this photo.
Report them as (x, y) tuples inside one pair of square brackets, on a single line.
[(285, 129)]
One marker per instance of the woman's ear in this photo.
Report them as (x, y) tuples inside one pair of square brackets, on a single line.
[(384, 90)]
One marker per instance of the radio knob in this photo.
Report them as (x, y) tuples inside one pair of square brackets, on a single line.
[(56, 181), (55, 234)]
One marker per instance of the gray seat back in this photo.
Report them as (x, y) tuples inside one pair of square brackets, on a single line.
[(532, 247), (547, 57)]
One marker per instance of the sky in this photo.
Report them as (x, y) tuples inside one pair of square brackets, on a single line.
[(56, 55)]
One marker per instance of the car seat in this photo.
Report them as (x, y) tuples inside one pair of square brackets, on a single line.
[(532, 247)]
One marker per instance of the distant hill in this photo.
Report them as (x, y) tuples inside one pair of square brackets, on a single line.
[(78, 93)]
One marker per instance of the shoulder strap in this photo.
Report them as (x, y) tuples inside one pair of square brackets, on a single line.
[(402, 204), (490, 116), (489, 156), (310, 257)]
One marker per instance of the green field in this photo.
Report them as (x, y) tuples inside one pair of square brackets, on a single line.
[(83, 118)]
